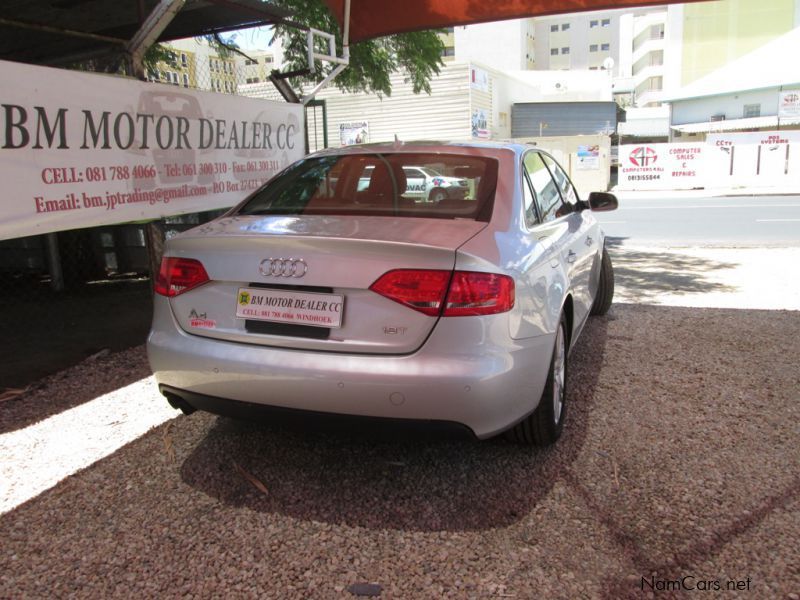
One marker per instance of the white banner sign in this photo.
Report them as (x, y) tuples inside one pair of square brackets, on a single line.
[(758, 159), (753, 137), (82, 150), (789, 104), (661, 166)]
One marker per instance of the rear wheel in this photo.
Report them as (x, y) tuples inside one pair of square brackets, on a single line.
[(544, 426), (605, 288)]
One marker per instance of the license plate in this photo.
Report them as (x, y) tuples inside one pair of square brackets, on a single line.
[(281, 306)]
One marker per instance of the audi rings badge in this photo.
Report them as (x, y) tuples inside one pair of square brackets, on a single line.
[(283, 267)]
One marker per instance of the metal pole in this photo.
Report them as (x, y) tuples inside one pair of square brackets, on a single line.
[(54, 263)]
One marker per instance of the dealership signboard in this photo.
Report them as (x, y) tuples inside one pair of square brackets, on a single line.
[(82, 150), (660, 166)]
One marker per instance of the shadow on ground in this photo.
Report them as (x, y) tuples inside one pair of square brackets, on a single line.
[(72, 387), (44, 332), (423, 483), (645, 275)]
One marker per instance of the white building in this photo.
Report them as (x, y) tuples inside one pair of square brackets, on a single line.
[(502, 45), (724, 101), (468, 101)]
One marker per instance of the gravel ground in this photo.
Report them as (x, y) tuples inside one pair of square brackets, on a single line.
[(680, 460)]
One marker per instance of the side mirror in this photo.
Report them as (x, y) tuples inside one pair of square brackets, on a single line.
[(602, 201)]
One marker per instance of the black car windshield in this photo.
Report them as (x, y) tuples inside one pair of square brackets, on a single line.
[(445, 186)]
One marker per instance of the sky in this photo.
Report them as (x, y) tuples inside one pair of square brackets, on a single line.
[(253, 38)]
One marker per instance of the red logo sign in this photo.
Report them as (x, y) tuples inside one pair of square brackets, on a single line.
[(643, 156)]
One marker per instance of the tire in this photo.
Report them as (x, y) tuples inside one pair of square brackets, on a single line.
[(437, 196), (544, 425), (605, 287)]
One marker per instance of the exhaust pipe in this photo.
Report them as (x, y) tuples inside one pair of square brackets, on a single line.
[(179, 403)]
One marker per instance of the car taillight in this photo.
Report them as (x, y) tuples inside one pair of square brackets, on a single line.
[(421, 290), (179, 275), (458, 294), (479, 294)]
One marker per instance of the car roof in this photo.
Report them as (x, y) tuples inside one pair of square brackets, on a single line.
[(453, 147)]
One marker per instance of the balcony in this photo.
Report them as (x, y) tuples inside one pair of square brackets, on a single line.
[(651, 45), (640, 24)]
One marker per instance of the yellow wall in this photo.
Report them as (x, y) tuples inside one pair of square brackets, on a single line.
[(715, 33)]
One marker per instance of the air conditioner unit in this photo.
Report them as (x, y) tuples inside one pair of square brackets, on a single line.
[(720, 117)]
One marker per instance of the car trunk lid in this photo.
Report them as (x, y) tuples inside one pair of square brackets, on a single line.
[(279, 280)]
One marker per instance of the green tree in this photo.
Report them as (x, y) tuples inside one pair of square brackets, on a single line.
[(417, 54)]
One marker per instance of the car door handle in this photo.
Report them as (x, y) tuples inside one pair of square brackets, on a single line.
[(571, 257), (589, 240)]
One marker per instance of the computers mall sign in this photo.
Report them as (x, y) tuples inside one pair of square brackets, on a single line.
[(81, 150), (660, 166), (748, 160)]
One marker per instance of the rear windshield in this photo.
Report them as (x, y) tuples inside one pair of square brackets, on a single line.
[(445, 186)]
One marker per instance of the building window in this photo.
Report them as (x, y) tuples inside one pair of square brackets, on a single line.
[(605, 47), (268, 60), (565, 51), (593, 48), (448, 51), (564, 26), (185, 80), (553, 28), (593, 24), (593, 68), (553, 51), (751, 110), (605, 22)]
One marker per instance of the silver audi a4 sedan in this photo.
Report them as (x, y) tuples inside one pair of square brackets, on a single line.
[(320, 293)]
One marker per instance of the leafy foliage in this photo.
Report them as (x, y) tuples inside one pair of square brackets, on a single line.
[(117, 63), (417, 54)]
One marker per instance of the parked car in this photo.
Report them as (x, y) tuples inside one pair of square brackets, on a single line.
[(313, 295), (430, 186), (424, 184)]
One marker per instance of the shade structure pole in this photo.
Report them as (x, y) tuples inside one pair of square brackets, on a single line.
[(331, 56), (148, 33)]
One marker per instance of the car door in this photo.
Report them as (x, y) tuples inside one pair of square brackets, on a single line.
[(579, 245), (550, 231)]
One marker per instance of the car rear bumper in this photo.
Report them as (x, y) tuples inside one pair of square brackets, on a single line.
[(487, 384)]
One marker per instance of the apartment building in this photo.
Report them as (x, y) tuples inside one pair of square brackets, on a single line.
[(206, 68), (181, 72), (258, 66), (503, 45)]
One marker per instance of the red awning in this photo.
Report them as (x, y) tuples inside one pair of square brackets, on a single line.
[(371, 19)]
